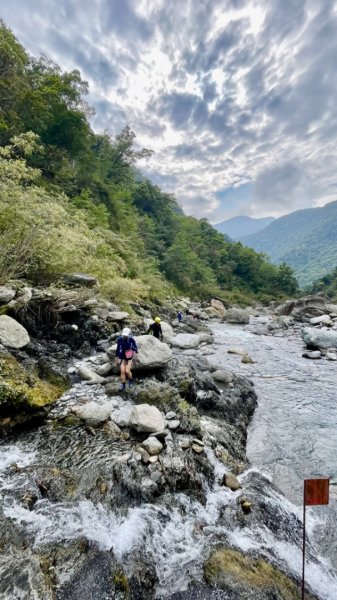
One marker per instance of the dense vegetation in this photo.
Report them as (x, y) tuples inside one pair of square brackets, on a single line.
[(72, 200), (326, 284), (305, 239)]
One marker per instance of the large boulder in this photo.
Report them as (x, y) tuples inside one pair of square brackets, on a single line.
[(237, 315), (152, 354), (319, 338), (93, 413), (218, 306), (12, 334), (147, 418), (186, 340), (308, 305)]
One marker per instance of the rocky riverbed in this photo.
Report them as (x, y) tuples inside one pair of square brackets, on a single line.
[(144, 494)]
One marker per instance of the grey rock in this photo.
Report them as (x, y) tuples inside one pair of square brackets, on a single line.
[(237, 315), (314, 354), (321, 320), (319, 338), (93, 413), (104, 369), (122, 416), (186, 340), (170, 415), (6, 294), (152, 445), (147, 418), (12, 334), (88, 374), (223, 376), (117, 315), (173, 425)]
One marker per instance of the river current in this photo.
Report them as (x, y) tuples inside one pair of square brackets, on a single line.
[(292, 436), (293, 433)]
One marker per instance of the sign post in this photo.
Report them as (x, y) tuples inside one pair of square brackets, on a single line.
[(316, 491)]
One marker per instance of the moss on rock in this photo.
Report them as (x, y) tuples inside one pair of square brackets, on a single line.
[(230, 570), (22, 393)]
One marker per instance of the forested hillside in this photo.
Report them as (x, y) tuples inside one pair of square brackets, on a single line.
[(305, 239), (71, 200)]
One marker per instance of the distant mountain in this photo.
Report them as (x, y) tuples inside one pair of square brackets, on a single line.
[(306, 240), (238, 227)]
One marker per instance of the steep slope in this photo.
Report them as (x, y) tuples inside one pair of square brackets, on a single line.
[(305, 239), (237, 227)]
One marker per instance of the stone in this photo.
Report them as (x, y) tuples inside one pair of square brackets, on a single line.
[(117, 315), (153, 459), (6, 294), (80, 279), (23, 296), (156, 475), (112, 429), (199, 442), (170, 415), (152, 354), (12, 334), (322, 320), (319, 338), (93, 413), (122, 416), (247, 360), (173, 425), (186, 340), (313, 355), (102, 313), (147, 418), (237, 315), (223, 376), (213, 313), (185, 443), (152, 445), (231, 481), (104, 369), (331, 356), (218, 305), (239, 351), (88, 374), (196, 448)]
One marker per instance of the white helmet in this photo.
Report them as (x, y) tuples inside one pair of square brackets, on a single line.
[(126, 332)]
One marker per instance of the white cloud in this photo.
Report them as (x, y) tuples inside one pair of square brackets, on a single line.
[(225, 91)]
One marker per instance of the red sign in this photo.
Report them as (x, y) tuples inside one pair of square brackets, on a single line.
[(316, 491)]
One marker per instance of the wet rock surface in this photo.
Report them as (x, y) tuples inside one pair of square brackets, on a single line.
[(120, 494)]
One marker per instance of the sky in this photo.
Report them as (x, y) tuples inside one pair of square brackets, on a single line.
[(237, 98)]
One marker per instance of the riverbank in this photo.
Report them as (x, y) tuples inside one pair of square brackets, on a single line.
[(95, 503)]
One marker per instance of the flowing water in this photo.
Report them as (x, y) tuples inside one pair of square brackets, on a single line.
[(291, 437)]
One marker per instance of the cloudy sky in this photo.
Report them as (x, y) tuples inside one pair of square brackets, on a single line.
[(237, 98)]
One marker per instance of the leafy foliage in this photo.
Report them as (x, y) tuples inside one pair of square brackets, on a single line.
[(73, 200)]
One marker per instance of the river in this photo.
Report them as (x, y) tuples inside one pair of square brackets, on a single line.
[(293, 432), (291, 437)]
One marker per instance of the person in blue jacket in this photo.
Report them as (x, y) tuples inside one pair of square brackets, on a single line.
[(126, 348)]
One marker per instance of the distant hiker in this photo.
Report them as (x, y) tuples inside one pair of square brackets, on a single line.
[(180, 316), (155, 329), (126, 348)]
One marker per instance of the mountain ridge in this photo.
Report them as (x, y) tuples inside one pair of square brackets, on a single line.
[(305, 239), (236, 227)]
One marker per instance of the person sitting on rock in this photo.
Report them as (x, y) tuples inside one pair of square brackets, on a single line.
[(126, 348), (155, 329), (180, 316)]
